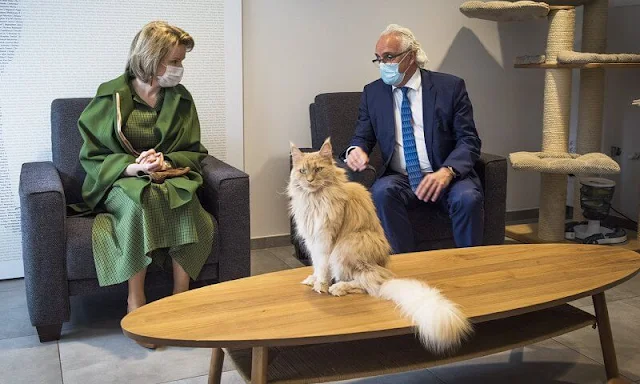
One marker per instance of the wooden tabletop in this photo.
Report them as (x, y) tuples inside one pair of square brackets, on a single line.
[(275, 309)]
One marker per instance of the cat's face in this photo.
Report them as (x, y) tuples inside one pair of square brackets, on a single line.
[(312, 171)]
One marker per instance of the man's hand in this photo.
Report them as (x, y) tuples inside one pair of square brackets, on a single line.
[(433, 184), (357, 159)]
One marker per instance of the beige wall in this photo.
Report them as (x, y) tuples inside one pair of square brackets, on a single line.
[(621, 120), (296, 49)]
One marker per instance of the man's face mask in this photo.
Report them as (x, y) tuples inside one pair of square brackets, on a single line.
[(390, 74)]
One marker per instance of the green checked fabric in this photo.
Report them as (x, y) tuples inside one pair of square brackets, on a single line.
[(131, 235)]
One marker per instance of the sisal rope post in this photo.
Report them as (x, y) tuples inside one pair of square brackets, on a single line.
[(555, 126), (552, 206), (589, 134)]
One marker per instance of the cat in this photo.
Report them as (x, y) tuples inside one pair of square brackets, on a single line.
[(337, 221)]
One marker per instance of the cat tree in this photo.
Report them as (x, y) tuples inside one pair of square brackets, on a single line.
[(555, 162)]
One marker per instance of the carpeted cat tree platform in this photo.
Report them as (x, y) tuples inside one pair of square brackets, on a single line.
[(554, 162)]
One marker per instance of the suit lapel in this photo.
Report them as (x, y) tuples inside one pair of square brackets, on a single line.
[(388, 126), (429, 95)]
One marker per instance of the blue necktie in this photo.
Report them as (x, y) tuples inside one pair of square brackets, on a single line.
[(409, 143)]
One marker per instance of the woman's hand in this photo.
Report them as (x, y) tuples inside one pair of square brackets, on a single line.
[(152, 161), (153, 164), (148, 162), (147, 156)]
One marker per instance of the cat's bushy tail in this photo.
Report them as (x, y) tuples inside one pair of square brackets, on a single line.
[(440, 323)]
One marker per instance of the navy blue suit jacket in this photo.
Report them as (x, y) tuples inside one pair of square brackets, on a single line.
[(449, 130)]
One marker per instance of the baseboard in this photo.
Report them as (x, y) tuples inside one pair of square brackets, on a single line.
[(270, 241), (524, 215), (531, 215), (511, 217)]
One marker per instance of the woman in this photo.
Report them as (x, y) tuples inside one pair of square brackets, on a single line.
[(142, 155)]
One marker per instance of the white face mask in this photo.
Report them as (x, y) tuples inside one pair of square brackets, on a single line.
[(171, 77)]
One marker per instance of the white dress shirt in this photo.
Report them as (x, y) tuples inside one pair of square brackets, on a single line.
[(414, 94)]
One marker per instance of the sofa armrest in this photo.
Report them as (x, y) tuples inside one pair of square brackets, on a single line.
[(492, 171), (226, 197), (43, 211)]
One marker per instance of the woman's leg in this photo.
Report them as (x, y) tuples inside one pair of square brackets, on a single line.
[(180, 278), (137, 297)]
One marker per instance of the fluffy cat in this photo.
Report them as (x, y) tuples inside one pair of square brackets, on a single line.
[(337, 221)]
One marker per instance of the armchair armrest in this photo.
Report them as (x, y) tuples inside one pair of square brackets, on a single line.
[(226, 197), (43, 211), (492, 171)]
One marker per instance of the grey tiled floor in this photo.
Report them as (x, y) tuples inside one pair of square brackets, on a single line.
[(94, 350)]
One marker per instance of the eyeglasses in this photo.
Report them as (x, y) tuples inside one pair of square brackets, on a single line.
[(386, 58)]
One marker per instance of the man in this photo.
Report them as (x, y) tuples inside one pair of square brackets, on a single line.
[(423, 123)]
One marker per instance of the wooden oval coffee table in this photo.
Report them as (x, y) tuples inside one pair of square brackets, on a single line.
[(278, 330)]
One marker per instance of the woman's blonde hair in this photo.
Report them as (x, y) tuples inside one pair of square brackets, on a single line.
[(150, 45)]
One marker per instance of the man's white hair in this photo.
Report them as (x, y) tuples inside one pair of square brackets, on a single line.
[(408, 41)]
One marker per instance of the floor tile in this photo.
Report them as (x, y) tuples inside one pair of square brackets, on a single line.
[(230, 377), (417, 377), (625, 323), (263, 261), (287, 255), (94, 349), (25, 360), (545, 362), (14, 316), (627, 290), (100, 355)]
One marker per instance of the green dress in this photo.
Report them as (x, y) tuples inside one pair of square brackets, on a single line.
[(132, 235)]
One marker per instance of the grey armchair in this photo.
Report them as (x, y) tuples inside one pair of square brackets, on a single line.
[(57, 250), (335, 115)]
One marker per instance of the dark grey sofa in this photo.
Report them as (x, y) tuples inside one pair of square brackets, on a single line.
[(335, 115), (57, 251)]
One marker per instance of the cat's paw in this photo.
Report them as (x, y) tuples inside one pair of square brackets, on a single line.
[(338, 289), (320, 287), (310, 280)]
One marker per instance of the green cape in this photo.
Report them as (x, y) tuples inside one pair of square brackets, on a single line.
[(104, 157)]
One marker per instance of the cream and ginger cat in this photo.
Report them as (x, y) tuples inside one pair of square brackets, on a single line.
[(337, 221)]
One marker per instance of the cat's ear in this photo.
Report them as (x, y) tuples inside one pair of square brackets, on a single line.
[(296, 154), (326, 150)]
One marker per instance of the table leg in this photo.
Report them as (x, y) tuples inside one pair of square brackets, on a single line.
[(215, 368), (259, 363), (606, 338)]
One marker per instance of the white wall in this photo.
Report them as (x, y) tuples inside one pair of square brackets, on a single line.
[(296, 49)]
